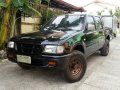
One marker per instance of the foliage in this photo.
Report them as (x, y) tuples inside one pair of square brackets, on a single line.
[(117, 13), (111, 12), (99, 13), (47, 15)]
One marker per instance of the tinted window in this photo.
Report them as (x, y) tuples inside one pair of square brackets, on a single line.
[(91, 24), (98, 23), (65, 22)]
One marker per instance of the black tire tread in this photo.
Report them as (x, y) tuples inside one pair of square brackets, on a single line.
[(104, 48), (67, 76)]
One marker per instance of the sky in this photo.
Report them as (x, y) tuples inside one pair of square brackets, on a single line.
[(95, 7), (80, 3)]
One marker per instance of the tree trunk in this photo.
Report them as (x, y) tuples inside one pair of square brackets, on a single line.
[(18, 24), (5, 24)]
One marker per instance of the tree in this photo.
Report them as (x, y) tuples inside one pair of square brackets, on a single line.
[(8, 11), (117, 13), (99, 12), (111, 12)]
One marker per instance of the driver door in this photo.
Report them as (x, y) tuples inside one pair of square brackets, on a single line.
[(91, 36)]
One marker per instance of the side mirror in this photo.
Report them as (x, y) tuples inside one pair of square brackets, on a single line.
[(90, 27)]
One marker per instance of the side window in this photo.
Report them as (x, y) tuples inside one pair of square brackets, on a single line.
[(91, 24), (98, 23)]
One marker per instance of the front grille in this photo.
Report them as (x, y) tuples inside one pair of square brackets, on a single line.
[(38, 62), (29, 49)]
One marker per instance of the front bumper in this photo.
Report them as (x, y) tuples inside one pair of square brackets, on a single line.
[(42, 60)]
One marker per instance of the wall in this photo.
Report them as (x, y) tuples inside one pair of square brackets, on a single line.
[(29, 24)]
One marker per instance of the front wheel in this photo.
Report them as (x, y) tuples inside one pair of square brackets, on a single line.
[(114, 35), (75, 67)]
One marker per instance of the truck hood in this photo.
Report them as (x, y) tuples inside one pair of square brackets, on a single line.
[(50, 36)]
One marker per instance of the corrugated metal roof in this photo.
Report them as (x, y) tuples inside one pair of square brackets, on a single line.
[(63, 5)]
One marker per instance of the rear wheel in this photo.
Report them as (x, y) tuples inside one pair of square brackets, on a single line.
[(75, 67), (114, 35), (105, 49)]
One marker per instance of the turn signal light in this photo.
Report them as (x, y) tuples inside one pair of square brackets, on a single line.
[(52, 63)]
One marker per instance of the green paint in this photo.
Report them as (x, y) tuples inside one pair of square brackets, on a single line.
[(75, 39)]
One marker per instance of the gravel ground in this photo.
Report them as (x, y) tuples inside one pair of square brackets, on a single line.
[(102, 74), (3, 54)]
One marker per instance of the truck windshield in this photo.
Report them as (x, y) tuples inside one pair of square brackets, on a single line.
[(65, 22)]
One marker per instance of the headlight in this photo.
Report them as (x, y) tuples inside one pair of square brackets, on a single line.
[(54, 49), (11, 44)]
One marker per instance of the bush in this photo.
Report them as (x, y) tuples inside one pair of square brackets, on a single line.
[(47, 14)]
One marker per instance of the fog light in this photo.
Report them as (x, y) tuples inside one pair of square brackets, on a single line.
[(52, 63)]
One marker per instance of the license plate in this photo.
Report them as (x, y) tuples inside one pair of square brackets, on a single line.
[(24, 59)]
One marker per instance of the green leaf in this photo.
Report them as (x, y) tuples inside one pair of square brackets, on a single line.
[(34, 10), (47, 0), (28, 9), (36, 1), (18, 3), (2, 3)]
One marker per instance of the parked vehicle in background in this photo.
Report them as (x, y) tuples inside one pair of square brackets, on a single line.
[(110, 22), (63, 43)]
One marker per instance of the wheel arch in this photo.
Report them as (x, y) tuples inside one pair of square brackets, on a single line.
[(79, 47), (108, 37)]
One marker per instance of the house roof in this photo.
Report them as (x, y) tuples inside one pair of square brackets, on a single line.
[(63, 5)]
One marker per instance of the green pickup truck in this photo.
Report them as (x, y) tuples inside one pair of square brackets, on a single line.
[(63, 43)]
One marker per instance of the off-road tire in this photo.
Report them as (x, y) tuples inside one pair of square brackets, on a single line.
[(105, 49), (115, 35), (75, 67)]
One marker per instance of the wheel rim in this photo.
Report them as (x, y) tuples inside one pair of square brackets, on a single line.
[(75, 67)]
